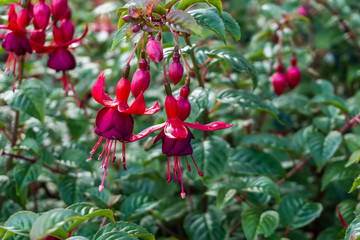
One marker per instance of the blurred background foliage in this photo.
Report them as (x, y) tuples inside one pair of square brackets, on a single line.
[(245, 192)]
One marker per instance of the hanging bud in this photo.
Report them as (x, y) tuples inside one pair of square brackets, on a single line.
[(67, 30), (183, 104), (67, 14), (176, 69), (42, 14), (154, 50), (135, 28), (58, 8), (141, 79), (127, 18), (293, 74), (279, 80)]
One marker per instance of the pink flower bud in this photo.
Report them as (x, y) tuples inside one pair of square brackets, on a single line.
[(42, 14), (293, 74), (58, 8), (154, 50), (127, 18), (183, 104), (303, 10), (176, 69), (135, 28), (171, 107), (22, 17), (141, 79), (67, 14), (279, 81), (67, 30)]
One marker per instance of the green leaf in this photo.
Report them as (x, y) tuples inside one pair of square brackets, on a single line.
[(204, 226), (330, 99), (352, 232), (323, 148), (354, 158), (106, 8), (77, 157), (119, 36), (254, 223), (72, 190), (115, 236), (19, 223), (250, 161), (237, 61), (336, 171), (209, 19), (137, 204), (263, 185), (52, 222), (231, 26), (183, 22), (185, 4), (170, 3), (267, 140), (211, 156), (224, 195), (347, 209), (247, 101), (100, 198), (297, 212), (26, 174), (355, 184), (77, 238), (272, 10), (132, 229), (29, 99), (199, 101)]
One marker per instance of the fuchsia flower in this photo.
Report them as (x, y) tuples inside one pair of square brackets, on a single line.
[(114, 121), (60, 58), (176, 135), (16, 41)]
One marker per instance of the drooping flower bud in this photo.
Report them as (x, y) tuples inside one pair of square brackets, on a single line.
[(67, 30), (127, 18), (279, 80), (42, 14), (183, 104), (303, 10), (135, 28), (67, 14), (141, 79), (58, 8), (293, 74), (176, 69), (154, 50)]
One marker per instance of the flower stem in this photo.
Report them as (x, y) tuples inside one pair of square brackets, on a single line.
[(133, 51), (195, 65)]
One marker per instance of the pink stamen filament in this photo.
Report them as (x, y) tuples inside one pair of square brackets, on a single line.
[(200, 173), (106, 152), (73, 90), (107, 140), (188, 165), (114, 157), (123, 155), (65, 83), (175, 168), (8, 62), (168, 177), (14, 68), (101, 187), (94, 148), (182, 185)]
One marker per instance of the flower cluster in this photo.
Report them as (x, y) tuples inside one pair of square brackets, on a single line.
[(292, 77), (114, 121), (19, 41)]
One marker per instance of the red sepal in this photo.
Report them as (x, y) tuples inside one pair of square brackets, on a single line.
[(99, 95), (209, 127), (146, 132)]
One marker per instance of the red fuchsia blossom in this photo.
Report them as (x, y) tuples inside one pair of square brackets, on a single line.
[(176, 135), (114, 121), (16, 41), (60, 58)]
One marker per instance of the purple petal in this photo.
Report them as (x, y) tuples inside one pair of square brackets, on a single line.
[(61, 59)]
